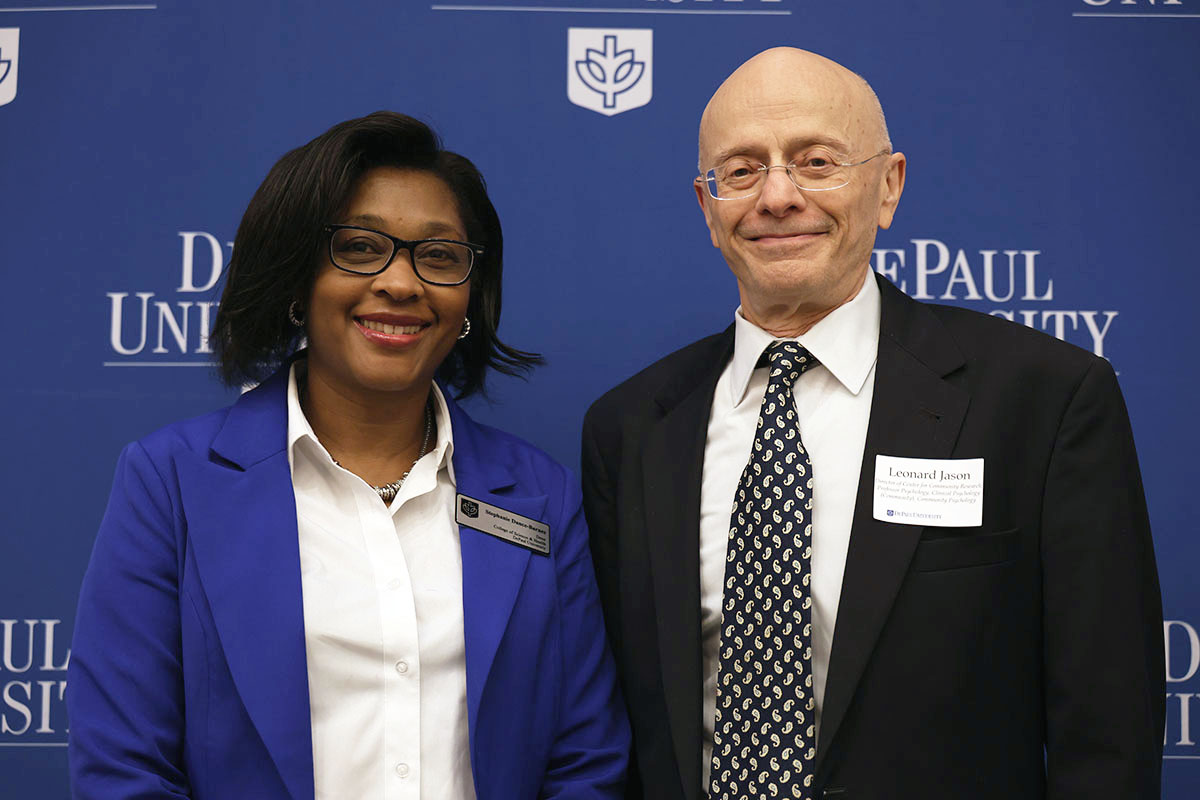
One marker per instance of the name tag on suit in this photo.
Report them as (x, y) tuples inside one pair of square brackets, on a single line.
[(495, 521), (943, 492)]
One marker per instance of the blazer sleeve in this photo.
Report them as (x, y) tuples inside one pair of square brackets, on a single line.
[(125, 684), (1102, 619), (590, 752)]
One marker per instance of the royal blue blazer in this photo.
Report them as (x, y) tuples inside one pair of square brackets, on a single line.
[(188, 675)]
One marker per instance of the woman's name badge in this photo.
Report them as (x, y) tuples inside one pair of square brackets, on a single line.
[(496, 521), (943, 492)]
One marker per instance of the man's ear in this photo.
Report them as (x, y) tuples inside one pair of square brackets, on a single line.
[(893, 187)]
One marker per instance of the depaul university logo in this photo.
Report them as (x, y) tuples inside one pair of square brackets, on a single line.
[(609, 70), (9, 38), (469, 508)]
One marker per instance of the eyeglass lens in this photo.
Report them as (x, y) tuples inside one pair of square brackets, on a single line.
[(739, 177)]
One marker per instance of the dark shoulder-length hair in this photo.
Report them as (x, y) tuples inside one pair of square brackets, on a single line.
[(280, 242)]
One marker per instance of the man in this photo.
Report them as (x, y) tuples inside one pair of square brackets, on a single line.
[(937, 580)]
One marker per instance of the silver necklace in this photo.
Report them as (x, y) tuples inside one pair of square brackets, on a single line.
[(388, 491)]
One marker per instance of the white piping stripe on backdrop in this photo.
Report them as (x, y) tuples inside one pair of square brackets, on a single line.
[(572, 10), (160, 363), (79, 8), (1114, 15)]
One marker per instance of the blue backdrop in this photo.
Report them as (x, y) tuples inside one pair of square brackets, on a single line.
[(1052, 172)]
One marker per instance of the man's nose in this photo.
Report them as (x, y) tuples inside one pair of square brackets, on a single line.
[(779, 194)]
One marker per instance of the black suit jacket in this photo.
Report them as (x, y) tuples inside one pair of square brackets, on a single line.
[(1020, 659)]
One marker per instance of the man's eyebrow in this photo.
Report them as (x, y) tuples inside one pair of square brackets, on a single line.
[(792, 146), (832, 142), (722, 155)]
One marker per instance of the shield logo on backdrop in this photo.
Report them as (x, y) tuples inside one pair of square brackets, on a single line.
[(609, 70), (470, 508), (8, 64)]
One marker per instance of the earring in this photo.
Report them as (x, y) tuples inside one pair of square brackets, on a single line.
[(466, 328), (294, 315)]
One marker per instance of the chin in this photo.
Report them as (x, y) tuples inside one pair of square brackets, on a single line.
[(389, 377), (783, 278)]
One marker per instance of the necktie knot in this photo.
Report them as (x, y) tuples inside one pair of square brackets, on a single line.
[(787, 361)]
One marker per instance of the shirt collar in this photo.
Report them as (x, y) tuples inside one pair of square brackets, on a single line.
[(300, 430), (846, 342)]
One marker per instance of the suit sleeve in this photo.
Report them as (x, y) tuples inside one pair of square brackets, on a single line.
[(590, 752), (1102, 626), (125, 686), (599, 502), (600, 507)]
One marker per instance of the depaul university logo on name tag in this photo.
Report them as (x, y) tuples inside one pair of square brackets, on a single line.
[(610, 70), (9, 50)]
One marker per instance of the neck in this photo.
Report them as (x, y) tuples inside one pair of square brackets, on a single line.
[(377, 438), (789, 319)]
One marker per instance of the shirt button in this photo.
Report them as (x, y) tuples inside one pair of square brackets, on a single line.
[(402, 668), (394, 583), (402, 770)]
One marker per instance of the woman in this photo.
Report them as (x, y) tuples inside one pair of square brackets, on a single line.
[(342, 586)]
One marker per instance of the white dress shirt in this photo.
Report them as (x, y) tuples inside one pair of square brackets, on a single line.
[(383, 624), (833, 402)]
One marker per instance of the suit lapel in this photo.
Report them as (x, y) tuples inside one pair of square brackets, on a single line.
[(672, 466), (241, 514), (916, 413), (492, 569)]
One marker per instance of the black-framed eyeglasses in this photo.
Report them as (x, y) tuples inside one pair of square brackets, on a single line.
[(363, 251)]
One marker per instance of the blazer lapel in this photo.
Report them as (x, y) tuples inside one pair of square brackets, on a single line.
[(672, 465), (241, 515), (915, 412), (492, 569)]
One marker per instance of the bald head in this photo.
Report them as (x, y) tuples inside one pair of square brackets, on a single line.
[(780, 124), (787, 81)]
